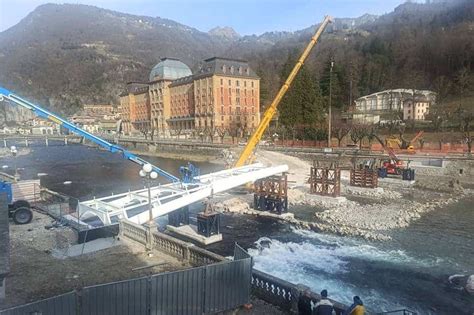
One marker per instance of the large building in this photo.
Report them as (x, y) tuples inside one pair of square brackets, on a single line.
[(223, 93), (135, 108), (406, 104)]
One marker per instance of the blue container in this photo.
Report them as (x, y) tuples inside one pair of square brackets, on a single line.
[(382, 172)]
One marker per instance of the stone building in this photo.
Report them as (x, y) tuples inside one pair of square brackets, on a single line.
[(135, 106), (161, 76), (98, 110), (224, 93), (397, 104)]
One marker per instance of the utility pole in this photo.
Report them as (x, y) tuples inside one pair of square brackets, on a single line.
[(330, 101)]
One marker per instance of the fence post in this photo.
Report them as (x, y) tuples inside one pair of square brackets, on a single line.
[(78, 295)]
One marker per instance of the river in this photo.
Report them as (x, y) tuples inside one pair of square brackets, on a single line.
[(409, 271)]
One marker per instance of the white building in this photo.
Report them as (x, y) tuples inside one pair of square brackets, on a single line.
[(409, 103)]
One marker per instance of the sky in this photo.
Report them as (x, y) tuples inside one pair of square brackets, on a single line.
[(245, 16)]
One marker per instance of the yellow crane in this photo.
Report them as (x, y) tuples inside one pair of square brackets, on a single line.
[(270, 112)]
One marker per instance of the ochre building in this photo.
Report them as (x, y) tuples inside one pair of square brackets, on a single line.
[(224, 94)]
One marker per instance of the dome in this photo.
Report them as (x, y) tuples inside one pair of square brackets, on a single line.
[(171, 69)]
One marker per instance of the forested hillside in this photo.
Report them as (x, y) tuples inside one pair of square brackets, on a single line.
[(66, 55)]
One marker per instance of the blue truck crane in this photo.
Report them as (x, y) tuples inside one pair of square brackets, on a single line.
[(41, 112), (20, 209)]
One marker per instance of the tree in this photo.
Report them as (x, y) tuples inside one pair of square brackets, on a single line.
[(302, 104), (358, 133), (221, 132), (340, 129)]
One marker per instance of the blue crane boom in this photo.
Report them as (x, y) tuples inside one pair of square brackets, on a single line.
[(41, 112)]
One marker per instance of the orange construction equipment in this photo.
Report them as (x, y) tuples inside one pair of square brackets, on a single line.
[(395, 143)]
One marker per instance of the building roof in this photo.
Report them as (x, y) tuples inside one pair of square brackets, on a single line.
[(182, 81), (226, 67), (135, 88), (169, 69), (408, 92)]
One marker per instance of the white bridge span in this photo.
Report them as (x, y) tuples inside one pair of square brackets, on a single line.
[(167, 198)]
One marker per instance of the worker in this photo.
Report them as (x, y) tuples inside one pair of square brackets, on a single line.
[(324, 306), (357, 308), (304, 303)]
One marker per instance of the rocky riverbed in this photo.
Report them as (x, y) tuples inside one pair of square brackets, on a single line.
[(371, 214)]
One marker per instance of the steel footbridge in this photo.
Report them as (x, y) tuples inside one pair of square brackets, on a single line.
[(134, 205)]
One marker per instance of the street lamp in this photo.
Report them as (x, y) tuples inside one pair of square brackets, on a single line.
[(14, 152), (330, 101), (149, 174)]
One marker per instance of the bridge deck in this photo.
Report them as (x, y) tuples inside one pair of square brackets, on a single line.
[(167, 198)]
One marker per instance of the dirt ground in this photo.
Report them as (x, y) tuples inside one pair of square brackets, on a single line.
[(35, 274)]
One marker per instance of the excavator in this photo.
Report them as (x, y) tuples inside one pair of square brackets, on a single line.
[(393, 142), (393, 164), (247, 154)]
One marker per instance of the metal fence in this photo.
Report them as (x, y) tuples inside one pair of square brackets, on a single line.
[(203, 290)]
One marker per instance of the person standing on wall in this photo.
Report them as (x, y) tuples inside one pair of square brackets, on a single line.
[(357, 308), (324, 306)]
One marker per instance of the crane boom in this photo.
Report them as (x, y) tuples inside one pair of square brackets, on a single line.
[(270, 112), (41, 112)]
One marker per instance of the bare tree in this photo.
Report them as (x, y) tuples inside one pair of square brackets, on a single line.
[(176, 132), (358, 133), (221, 132), (340, 129), (466, 123)]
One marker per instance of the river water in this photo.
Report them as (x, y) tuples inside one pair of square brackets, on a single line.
[(409, 271)]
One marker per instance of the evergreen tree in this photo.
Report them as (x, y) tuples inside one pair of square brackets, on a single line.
[(302, 105)]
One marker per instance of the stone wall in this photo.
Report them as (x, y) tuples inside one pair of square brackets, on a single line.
[(4, 243)]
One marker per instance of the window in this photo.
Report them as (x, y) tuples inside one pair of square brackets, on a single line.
[(222, 81), (237, 83), (230, 91), (222, 118), (245, 83), (251, 84), (222, 100), (222, 109), (230, 82)]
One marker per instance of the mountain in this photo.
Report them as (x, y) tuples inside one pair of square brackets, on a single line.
[(64, 56), (68, 55), (226, 33)]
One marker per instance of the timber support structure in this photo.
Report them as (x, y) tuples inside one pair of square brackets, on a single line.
[(271, 194), (325, 181)]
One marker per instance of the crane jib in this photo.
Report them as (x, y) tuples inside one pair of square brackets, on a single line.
[(41, 112)]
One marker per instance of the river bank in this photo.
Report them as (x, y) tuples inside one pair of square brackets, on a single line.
[(371, 214), (409, 270)]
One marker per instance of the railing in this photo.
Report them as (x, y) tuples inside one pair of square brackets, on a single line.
[(283, 293), (185, 251), (399, 312), (133, 231)]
